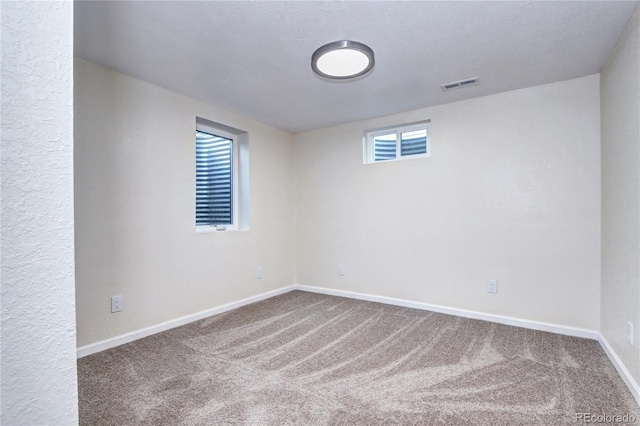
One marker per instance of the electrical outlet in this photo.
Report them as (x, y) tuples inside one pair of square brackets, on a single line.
[(340, 269), (492, 286), (630, 333), (259, 272), (116, 303)]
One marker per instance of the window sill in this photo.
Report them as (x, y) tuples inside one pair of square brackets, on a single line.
[(403, 158), (210, 229)]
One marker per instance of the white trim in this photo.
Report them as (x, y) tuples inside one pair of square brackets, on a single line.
[(501, 319), (626, 376), (139, 334), (633, 386)]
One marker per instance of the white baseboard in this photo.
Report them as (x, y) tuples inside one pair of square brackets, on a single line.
[(139, 334), (633, 386), (501, 319)]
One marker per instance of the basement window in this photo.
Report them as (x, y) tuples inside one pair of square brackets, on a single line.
[(221, 202), (397, 143)]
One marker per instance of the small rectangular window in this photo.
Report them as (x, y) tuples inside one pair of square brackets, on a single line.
[(214, 179), (222, 177), (405, 141)]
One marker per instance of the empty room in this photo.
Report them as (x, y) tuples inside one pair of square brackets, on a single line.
[(226, 212)]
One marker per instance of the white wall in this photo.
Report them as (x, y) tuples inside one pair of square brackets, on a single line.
[(620, 93), (38, 307), (135, 213), (511, 192)]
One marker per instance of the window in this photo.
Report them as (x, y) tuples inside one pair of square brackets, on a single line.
[(221, 177), (406, 141), (214, 179)]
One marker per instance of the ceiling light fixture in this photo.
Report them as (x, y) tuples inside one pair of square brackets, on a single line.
[(342, 60)]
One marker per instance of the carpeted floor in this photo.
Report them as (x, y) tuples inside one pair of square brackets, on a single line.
[(310, 359)]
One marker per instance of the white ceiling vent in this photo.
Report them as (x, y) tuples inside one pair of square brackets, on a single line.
[(460, 84)]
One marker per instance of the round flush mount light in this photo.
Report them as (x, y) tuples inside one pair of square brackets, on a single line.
[(342, 60)]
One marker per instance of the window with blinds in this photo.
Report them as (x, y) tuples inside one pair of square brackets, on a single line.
[(214, 179), (406, 141)]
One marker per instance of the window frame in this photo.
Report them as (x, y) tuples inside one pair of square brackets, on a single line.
[(370, 135), (221, 132)]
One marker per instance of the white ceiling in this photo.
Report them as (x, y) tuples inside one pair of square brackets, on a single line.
[(253, 58)]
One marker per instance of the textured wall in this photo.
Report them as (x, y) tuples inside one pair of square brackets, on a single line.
[(510, 192), (135, 208), (38, 315), (620, 94)]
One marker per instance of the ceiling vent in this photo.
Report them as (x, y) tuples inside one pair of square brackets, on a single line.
[(460, 84)]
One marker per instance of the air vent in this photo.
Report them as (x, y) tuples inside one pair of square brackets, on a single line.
[(460, 84)]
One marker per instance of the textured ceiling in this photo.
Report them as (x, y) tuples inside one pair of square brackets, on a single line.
[(253, 58)]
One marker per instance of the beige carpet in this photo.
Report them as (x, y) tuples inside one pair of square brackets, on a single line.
[(310, 359)]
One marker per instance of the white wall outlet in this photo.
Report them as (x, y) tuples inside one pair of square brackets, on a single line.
[(259, 272), (116, 303), (340, 269), (630, 333), (492, 286)]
